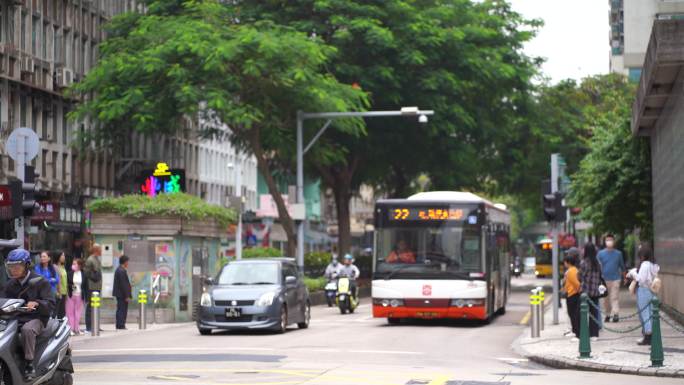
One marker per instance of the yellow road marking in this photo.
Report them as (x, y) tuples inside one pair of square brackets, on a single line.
[(441, 380)]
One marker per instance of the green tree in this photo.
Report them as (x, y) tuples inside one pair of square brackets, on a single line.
[(461, 58), (183, 59), (613, 183)]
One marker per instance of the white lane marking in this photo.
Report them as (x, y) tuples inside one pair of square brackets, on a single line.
[(385, 352), (512, 359)]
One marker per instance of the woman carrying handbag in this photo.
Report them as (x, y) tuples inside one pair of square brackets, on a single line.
[(645, 278)]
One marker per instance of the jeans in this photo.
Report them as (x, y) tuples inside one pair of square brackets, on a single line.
[(121, 312), (644, 296)]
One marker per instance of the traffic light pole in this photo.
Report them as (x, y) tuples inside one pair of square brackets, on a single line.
[(554, 255), (20, 162)]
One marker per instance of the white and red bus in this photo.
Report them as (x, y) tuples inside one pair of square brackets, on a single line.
[(440, 255)]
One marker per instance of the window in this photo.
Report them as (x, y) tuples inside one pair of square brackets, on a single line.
[(65, 161), (10, 25), (58, 48), (45, 126), (65, 127), (43, 163), (35, 31), (55, 157), (24, 21), (22, 110)]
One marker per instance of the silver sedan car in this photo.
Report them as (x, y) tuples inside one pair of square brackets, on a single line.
[(255, 294)]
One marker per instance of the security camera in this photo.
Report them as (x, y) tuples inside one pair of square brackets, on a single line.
[(423, 119)]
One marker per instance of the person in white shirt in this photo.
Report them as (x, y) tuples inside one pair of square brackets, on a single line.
[(644, 275), (76, 295)]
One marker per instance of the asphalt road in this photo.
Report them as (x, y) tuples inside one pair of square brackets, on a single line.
[(336, 350)]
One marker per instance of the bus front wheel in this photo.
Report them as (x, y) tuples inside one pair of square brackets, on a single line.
[(393, 321)]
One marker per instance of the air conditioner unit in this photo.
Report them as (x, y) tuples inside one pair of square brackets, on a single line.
[(28, 64), (65, 77)]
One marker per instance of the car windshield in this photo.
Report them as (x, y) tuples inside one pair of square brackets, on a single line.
[(438, 250), (249, 274)]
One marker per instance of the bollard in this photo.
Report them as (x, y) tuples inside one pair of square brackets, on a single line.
[(585, 342), (95, 305), (657, 356), (142, 317), (540, 290), (534, 313)]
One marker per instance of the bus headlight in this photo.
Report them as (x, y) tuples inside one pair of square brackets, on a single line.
[(461, 302), (387, 302)]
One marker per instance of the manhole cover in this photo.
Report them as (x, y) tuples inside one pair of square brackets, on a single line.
[(174, 377), (521, 374), (418, 382)]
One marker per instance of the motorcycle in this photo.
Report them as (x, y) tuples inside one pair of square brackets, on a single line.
[(516, 267), (331, 292), (52, 356), (346, 300)]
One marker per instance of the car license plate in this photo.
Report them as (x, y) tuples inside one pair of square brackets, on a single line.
[(233, 312)]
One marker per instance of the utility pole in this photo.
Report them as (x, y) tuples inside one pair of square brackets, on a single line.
[(554, 231), (238, 204)]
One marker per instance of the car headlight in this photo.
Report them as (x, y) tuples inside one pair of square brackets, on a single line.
[(266, 299), (205, 301)]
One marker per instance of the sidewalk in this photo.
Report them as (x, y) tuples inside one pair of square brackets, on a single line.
[(613, 352), (110, 331)]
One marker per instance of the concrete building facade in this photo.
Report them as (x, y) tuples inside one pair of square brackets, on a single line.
[(47, 45), (630, 27), (658, 113)]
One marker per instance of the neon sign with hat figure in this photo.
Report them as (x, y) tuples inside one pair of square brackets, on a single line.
[(163, 180)]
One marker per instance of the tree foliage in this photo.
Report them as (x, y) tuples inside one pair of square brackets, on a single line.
[(183, 59), (613, 183), (461, 58)]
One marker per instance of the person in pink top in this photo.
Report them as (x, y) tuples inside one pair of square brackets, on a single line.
[(76, 295)]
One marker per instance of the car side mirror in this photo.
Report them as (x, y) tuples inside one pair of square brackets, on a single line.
[(209, 281), (290, 280)]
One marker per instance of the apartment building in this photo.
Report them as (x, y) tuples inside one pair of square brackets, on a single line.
[(47, 45), (631, 22)]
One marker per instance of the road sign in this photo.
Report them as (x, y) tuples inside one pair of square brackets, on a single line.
[(30, 147)]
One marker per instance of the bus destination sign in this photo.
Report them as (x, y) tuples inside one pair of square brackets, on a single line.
[(403, 214)]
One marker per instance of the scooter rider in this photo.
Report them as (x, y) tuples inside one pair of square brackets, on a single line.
[(351, 271), (36, 292), (333, 269)]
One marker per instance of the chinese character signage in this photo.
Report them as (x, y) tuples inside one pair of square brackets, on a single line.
[(162, 180), (46, 211)]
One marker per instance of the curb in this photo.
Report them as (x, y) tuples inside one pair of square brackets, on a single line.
[(577, 364)]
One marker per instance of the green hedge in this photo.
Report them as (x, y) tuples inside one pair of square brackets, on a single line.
[(178, 204), (261, 252), (315, 284), (315, 262)]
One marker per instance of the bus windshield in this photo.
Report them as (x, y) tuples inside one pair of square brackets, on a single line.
[(441, 251)]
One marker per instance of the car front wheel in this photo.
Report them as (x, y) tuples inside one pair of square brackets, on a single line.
[(204, 332)]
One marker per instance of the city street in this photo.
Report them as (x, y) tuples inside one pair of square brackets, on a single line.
[(335, 350)]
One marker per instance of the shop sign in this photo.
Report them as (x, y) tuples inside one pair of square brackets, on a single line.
[(46, 211), (162, 180)]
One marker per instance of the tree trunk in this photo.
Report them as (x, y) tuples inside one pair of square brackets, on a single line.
[(342, 200), (285, 218), (340, 180)]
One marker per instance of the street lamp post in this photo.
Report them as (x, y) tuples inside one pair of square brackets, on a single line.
[(301, 150), (237, 166)]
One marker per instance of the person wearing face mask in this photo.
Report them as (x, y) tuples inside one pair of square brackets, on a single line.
[(613, 268), (76, 295)]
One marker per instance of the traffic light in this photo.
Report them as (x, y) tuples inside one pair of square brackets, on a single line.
[(29, 189), (554, 211), (24, 194)]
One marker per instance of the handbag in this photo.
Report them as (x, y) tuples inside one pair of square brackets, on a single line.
[(656, 285), (603, 289)]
